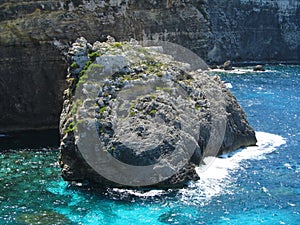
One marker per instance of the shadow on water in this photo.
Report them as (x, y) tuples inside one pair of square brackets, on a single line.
[(29, 140)]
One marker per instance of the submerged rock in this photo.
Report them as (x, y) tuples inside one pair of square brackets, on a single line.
[(139, 108), (44, 217)]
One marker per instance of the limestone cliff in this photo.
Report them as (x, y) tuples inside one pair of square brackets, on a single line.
[(34, 33), (255, 31)]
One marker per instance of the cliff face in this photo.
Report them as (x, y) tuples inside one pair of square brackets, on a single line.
[(33, 33), (31, 84), (261, 30), (32, 69)]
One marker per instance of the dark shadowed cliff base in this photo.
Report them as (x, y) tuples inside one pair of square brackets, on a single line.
[(33, 35), (36, 139)]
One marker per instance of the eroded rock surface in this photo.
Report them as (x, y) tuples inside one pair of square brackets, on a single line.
[(147, 108), (254, 31)]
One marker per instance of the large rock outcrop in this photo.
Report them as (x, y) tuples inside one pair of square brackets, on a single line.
[(146, 109), (34, 33)]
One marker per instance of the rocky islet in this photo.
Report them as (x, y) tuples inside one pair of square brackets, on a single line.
[(145, 104)]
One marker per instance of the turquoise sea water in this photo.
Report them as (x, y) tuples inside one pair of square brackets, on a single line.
[(258, 185)]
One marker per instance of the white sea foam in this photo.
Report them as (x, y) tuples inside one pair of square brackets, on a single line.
[(228, 85), (236, 71), (216, 175), (137, 193), (241, 70)]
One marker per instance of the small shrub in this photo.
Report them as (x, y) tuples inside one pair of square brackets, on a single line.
[(93, 56), (86, 66), (103, 109), (152, 112), (159, 74), (74, 65), (117, 45), (71, 127)]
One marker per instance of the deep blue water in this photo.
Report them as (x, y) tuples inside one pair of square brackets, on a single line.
[(259, 185)]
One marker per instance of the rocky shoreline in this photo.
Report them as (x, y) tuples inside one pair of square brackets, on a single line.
[(146, 105)]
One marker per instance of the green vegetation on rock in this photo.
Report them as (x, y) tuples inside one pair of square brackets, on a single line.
[(83, 78), (132, 113), (86, 66), (74, 65), (152, 112), (103, 109), (75, 106), (93, 56), (117, 45), (71, 127)]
